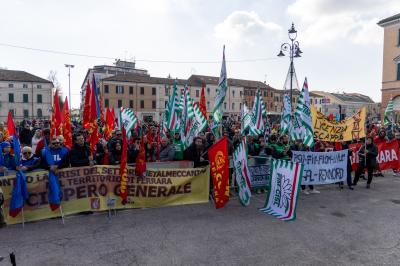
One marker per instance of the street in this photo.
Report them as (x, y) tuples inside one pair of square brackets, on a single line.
[(336, 227)]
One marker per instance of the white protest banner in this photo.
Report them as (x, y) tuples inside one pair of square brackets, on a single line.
[(322, 167)]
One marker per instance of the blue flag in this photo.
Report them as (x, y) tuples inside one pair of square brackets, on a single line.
[(96, 94), (54, 193)]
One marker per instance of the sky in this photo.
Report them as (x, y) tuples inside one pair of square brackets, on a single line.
[(341, 43)]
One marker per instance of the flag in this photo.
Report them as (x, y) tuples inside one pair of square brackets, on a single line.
[(186, 119), (242, 173), (108, 127), (54, 193), (388, 115), (286, 115), (306, 119), (114, 119), (67, 125), (245, 119), (93, 128), (101, 109), (221, 91), (202, 102), (86, 108), (96, 96), (219, 162), (20, 192), (56, 128), (172, 108), (284, 187), (198, 123), (123, 170), (257, 122), (163, 125), (128, 119), (140, 167)]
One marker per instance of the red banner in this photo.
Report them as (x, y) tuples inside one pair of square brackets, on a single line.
[(355, 147), (388, 155), (218, 157)]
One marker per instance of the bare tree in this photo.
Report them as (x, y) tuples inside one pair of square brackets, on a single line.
[(53, 78)]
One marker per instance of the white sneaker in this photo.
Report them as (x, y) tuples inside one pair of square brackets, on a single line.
[(314, 191), (306, 192)]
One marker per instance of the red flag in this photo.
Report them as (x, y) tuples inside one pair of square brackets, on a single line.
[(101, 108), (388, 155), (10, 125), (140, 168), (67, 125), (86, 108), (354, 158), (219, 163), (108, 125), (123, 170), (113, 116), (56, 128), (93, 128), (202, 103)]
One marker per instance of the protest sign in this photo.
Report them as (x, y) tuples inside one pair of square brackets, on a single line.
[(354, 158), (322, 167), (335, 131), (259, 168), (286, 177), (91, 188)]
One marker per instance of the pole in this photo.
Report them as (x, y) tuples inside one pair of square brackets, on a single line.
[(69, 88)]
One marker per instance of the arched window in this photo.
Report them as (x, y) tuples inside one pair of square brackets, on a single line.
[(39, 112)]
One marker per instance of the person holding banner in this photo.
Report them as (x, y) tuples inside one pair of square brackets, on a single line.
[(345, 146), (367, 155)]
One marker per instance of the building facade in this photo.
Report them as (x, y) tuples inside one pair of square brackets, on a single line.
[(391, 63), (25, 95)]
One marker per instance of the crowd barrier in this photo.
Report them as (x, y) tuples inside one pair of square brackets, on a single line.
[(96, 188)]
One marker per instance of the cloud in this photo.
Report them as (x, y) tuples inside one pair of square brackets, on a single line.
[(244, 26), (327, 20)]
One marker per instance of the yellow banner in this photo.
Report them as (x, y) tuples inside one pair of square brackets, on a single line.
[(96, 188), (345, 130)]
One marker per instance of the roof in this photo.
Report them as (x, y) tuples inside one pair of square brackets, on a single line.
[(144, 78), (196, 80), (389, 19), (17, 75), (353, 97)]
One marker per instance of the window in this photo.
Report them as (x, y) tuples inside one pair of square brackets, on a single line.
[(208, 91), (240, 106), (153, 91), (11, 85), (241, 93), (11, 97), (12, 112), (265, 93), (105, 88), (233, 93), (38, 86), (26, 113), (106, 103), (130, 103), (39, 112), (39, 98), (141, 90), (233, 106), (272, 105), (225, 106), (166, 90), (119, 103), (208, 105), (119, 89), (197, 93), (25, 86), (142, 104), (398, 71), (25, 98), (166, 103), (276, 109), (130, 90), (153, 104)]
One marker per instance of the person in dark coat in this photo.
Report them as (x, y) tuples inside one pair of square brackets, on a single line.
[(367, 155), (345, 146), (197, 153), (114, 156), (25, 136), (80, 154), (133, 150)]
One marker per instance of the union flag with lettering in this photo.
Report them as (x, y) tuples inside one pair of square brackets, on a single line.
[(219, 162), (388, 155)]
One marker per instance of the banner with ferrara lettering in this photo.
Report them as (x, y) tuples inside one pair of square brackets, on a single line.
[(96, 188), (322, 167)]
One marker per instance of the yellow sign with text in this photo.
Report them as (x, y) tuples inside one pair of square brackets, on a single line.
[(337, 131), (97, 189)]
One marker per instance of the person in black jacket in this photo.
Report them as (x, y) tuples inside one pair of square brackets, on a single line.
[(25, 136), (114, 155), (197, 153), (345, 146), (80, 154), (367, 155)]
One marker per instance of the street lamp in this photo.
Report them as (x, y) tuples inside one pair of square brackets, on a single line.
[(69, 86), (293, 47)]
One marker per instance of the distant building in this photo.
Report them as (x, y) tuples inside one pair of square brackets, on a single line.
[(391, 63), (25, 95)]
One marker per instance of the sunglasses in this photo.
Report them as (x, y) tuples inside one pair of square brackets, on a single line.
[(27, 152), (55, 143)]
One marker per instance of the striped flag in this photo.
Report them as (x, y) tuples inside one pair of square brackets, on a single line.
[(172, 109), (186, 118), (245, 119), (257, 123), (306, 119), (388, 115), (221, 91), (128, 119), (242, 173), (286, 115)]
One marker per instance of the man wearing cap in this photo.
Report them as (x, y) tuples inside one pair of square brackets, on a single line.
[(8, 158), (28, 161), (178, 146), (167, 150), (60, 156)]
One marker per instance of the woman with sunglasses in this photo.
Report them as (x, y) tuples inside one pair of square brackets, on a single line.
[(28, 161)]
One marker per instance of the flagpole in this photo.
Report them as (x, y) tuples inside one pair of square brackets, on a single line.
[(62, 215), (23, 217)]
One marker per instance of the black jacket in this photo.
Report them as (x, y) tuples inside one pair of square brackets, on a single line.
[(114, 157), (370, 161), (191, 154), (79, 155), (25, 137)]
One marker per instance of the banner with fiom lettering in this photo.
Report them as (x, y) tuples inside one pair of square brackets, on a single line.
[(322, 167)]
